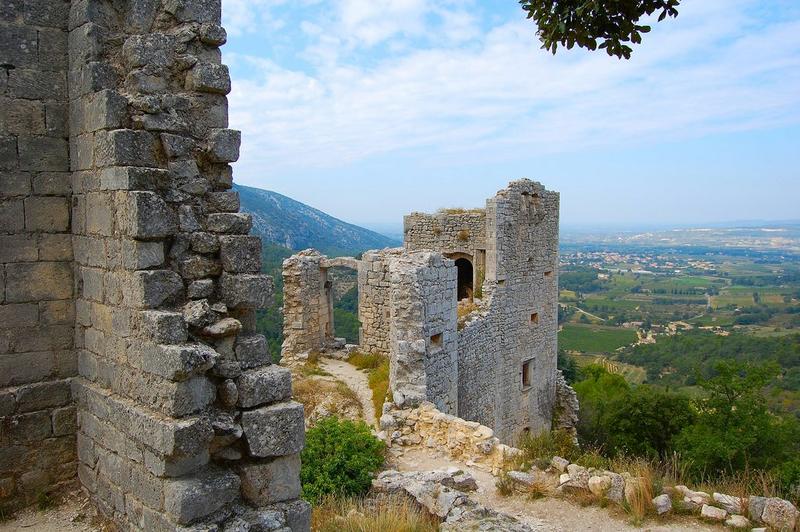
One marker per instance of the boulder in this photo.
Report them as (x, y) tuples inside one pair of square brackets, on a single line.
[(713, 513), (579, 477), (755, 507), (599, 485), (779, 514), (731, 504), (738, 522), (662, 504), (559, 464)]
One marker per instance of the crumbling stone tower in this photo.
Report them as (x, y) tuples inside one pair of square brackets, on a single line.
[(129, 360)]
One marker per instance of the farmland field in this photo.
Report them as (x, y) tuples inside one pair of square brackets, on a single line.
[(594, 338)]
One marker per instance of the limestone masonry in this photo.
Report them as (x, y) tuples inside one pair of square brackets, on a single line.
[(129, 360), (498, 268)]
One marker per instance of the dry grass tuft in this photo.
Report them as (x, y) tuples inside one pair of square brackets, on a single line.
[(463, 235), (465, 308), (460, 210), (365, 360), (336, 396), (382, 514)]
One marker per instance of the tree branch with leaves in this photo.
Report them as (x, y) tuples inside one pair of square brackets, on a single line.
[(595, 24)]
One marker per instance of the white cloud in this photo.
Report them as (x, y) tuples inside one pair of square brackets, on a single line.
[(498, 94)]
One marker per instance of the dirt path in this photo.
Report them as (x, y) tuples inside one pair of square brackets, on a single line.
[(356, 380), (548, 514), (73, 514)]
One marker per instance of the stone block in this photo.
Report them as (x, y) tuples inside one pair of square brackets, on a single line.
[(91, 77), (47, 214), (229, 222), (57, 312), (189, 499), (203, 11), (163, 327), (7, 404), (246, 290), (240, 254), (23, 368), (52, 184), (56, 119), (153, 50), (31, 427), (43, 153), (19, 46), (52, 49), (200, 289), (15, 183), (252, 351), (40, 396), (271, 482), (65, 421), (224, 144), (86, 44), (213, 34), (38, 281), (12, 216), (209, 77), (22, 117), (138, 255), (147, 216), (205, 242), (152, 288), (276, 430), (37, 84), (125, 147), (198, 266), (227, 201), (46, 13), (173, 362), (106, 109), (8, 155), (18, 248), (176, 146), (264, 386), (780, 514)]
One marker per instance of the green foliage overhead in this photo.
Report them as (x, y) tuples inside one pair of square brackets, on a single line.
[(340, 458), (593, 24)]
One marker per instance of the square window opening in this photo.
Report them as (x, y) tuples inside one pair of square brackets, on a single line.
[(548, 274), (526, 373), (535, 318), (436, 340)]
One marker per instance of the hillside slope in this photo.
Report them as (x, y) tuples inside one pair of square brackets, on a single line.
[(292, 224)]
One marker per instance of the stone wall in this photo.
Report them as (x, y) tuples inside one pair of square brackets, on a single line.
[(449, 232), (181, 418), (373, 301), (37, 419), (423, 341), (306, 314), (522, 316)]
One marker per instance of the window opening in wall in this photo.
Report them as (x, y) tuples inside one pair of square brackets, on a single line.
[(535, 318), (548, 274), (526, 373), (343, 294), (436, 340), (465, 273)]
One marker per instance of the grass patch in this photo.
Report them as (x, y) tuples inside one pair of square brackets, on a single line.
[(385, 513), (539, 450), (338, 398), (460, 210), (366, 361)]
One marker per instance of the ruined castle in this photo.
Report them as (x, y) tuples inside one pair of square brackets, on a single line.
[(497, 364), (129, 360)]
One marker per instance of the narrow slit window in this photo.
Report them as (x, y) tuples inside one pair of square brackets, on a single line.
[(436, 340), (526, 373), (535, 318)]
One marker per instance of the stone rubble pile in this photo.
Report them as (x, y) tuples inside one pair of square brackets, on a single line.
[(734, 512), (443, 494)]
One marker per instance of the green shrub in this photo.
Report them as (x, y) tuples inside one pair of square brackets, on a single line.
[(340, 458), (543, 447)]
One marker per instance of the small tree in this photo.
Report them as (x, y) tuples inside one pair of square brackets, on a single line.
[(340, 458)]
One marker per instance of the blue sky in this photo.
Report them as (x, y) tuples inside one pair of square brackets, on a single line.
[(369, 109)]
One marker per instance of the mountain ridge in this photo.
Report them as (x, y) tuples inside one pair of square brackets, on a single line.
[(290, 223)]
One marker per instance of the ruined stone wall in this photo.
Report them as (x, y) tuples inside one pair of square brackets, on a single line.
[(423, 338), (305, 307), (181, 418), (373, 300), (37, 419), (520, 323), (447, 232)]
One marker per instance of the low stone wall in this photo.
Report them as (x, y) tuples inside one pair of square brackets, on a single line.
[(466, 441)]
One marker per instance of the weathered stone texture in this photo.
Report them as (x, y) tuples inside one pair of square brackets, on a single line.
[(37, 450), (128, 284)]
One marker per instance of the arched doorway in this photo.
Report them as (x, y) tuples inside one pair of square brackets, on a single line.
[(465, 276)]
